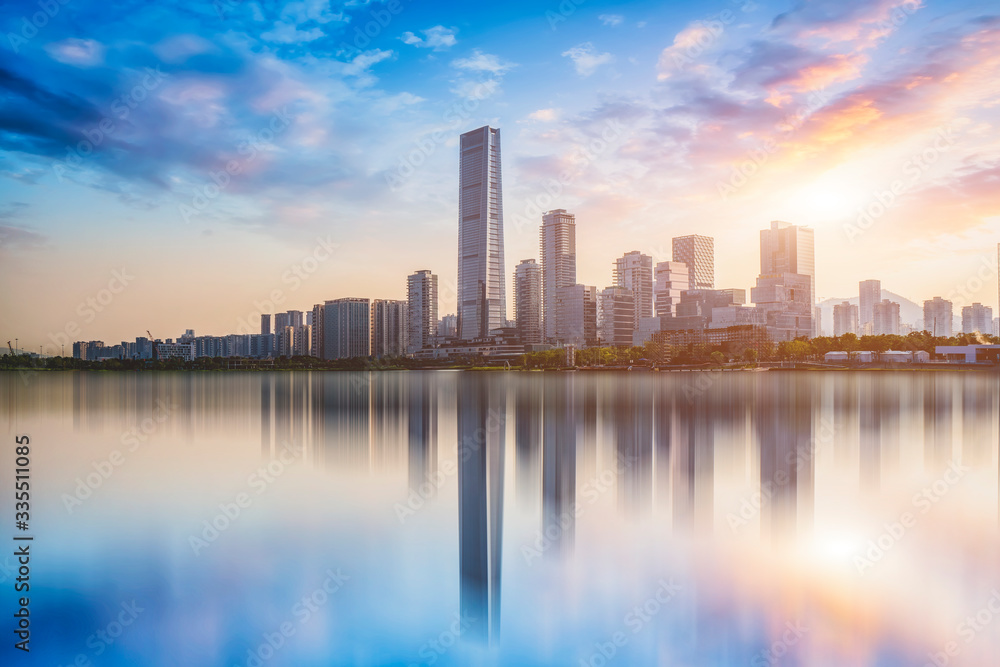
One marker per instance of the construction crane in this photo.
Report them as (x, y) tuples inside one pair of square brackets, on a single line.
[(153, 341), (11, 349)]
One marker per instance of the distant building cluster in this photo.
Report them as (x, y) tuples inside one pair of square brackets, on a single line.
[(670, 302)]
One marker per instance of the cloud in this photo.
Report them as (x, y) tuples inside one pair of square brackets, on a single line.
[(20, 238), (544, 115), (611, 19), (80, 52), (586, 59), (437, 38), (688, 44), (288, 33), (862, 22), (482, 62)]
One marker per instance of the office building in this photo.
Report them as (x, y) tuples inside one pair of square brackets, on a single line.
[(576, 315), (634, 271), (784, 302), (977, 318), (528, 302), (615, 316), (845, 319), (670, 279), (389, 328), (558, 253), (346, 328), (422, 310), (698, 252), (885, 318), (482, 302), (938, 314), (265, 325), (787, 248), (870, 293)]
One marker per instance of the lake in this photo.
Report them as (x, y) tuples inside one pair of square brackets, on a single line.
[(492, 518)]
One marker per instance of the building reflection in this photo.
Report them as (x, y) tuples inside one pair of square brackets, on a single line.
[(422, 412), (481, 414), (558, 464)]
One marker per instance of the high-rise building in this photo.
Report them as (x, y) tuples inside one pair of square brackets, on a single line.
[(845, 318), (528, 301), (576, 315), (265, 325), (788, 248), (634, 271), (977, 318), (388, 328), (482, 301), (422, 309), (870, 293), (316, 345), (448, 326), (817, 322), (558, 253), (301, 339), (698, 252), (885, 318), (615, 316), (346, 328), (937, 316), (670, 278)]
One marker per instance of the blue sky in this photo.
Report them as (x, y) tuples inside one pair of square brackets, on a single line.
[(118, 125)]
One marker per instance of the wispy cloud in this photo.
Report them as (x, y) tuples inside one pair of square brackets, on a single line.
[(437, 38), (482, 62), (586, 59), (611, 20)]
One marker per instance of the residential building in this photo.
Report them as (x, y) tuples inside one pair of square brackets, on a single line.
[(885, 318), (845, 319), (346, 328), (422, 310), (938, 316), (870, 293), (576, 315), (558, 255), (634, 271), (389, 330), (615, 316), (977, 318)]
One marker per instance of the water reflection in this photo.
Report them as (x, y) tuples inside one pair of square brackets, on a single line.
[(759, 490)]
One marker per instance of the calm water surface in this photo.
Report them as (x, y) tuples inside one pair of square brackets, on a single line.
[(460, 518)]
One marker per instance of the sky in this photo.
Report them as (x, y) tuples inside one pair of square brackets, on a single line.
[(186, 165)]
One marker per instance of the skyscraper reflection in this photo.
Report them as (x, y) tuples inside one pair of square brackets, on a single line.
[(481, 413)]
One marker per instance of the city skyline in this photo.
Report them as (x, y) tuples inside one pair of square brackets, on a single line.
[(320, 191)]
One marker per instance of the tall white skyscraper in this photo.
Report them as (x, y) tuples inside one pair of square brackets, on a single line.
[(482, 301), (869, 293), (528, 301), (698, 252), (634, 271), (422, 309), (558, 253), (788, 248)]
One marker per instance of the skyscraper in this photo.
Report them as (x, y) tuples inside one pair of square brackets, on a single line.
[(346, 328), (977, 318), (265, 325), (937, 316), (634, 271), (885, 318), (788, 248), (388, 328), (845, 319), (482, 302), (670, 279), (615, 316), (576, 315), (870, 292), (528, 301), (422, 309), (698, 252), (558, 253), (316, 345)]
